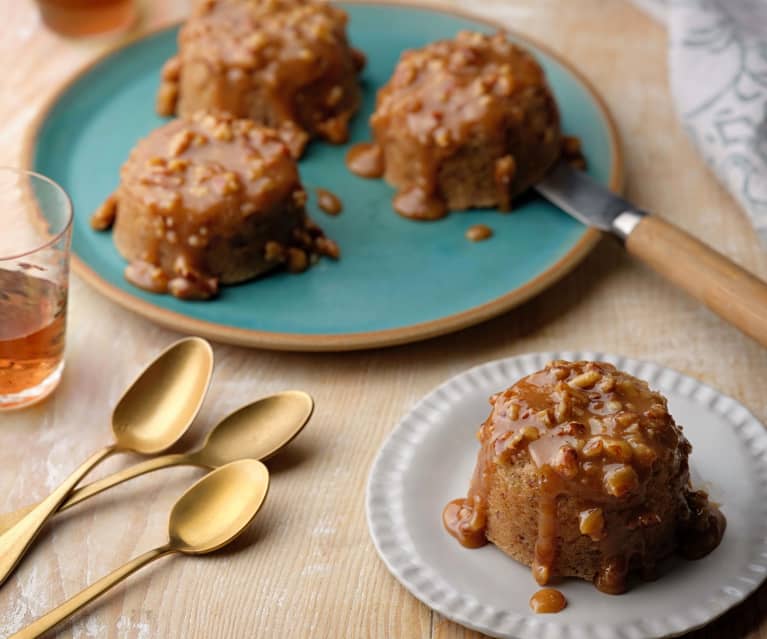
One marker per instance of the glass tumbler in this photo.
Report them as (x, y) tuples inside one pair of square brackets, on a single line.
[(35, 229), (76, 18)]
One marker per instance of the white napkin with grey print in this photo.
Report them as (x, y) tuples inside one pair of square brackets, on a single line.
[(718, 63)]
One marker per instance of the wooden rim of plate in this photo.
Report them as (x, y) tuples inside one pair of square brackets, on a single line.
[(346, 341)]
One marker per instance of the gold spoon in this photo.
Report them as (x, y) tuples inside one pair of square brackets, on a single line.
[(206, 517), (151, 416), (256, 431)]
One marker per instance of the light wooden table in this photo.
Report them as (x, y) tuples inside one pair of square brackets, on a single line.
[(308, 568)]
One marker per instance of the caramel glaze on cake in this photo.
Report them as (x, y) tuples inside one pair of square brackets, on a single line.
[(583, 472), (463, 123), (208, 200), (284, 63)]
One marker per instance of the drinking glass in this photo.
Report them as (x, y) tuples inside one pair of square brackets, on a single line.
[(35, 228), (87, 17)]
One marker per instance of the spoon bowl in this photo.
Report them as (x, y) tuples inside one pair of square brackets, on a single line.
[(159, 406), (258, 430), (219, 507), (209, 515)]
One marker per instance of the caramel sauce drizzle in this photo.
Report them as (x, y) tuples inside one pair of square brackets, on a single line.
[(366, 160), (444, 100), (594, 434), (479, 232), (196, 181), (290, 56), (547, 600), (466, 521), (329, 202), (198, 191), (417, 203), (545, 553)]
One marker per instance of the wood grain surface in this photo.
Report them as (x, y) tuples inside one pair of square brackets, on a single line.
[(307, 568)]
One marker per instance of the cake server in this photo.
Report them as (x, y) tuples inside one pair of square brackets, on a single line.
[(730, 291)]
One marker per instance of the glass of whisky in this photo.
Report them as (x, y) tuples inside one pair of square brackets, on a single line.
[(35, 228), (76, 18)]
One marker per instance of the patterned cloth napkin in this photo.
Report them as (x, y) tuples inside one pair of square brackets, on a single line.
[(718, 62)]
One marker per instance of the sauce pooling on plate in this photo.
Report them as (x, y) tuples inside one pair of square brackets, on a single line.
[(466, 523), (417, 204), (366, 160), (547, 600), (329, 202), (479, 232)]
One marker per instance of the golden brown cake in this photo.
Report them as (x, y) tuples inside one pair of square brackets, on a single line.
[(463, 123), (284, 63), (210, 200), (583, 473)]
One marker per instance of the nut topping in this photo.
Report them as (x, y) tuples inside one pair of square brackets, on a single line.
[(591, 523), (583, 408), (621, 480), (566, 462), (105, 215), (594, 447), (585, 380), (297, 260), (274, 252), (618, 450), (180, 142), (562, 411)]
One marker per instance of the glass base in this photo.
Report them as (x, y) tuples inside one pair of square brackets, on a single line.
[(77, 18), (29, 396)]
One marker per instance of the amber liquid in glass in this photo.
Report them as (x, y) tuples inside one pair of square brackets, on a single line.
[(87, 17), (32, 323)]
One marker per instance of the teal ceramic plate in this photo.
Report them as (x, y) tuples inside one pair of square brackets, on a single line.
[(397, 280)]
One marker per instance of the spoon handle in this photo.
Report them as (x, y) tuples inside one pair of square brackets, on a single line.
[(57, 615), (142, 468), (15, 541), (9, 520)]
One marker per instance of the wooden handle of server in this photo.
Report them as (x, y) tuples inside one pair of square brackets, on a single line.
[(727, 289)]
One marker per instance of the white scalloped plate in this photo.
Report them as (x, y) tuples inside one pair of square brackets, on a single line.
[(428, 460)]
